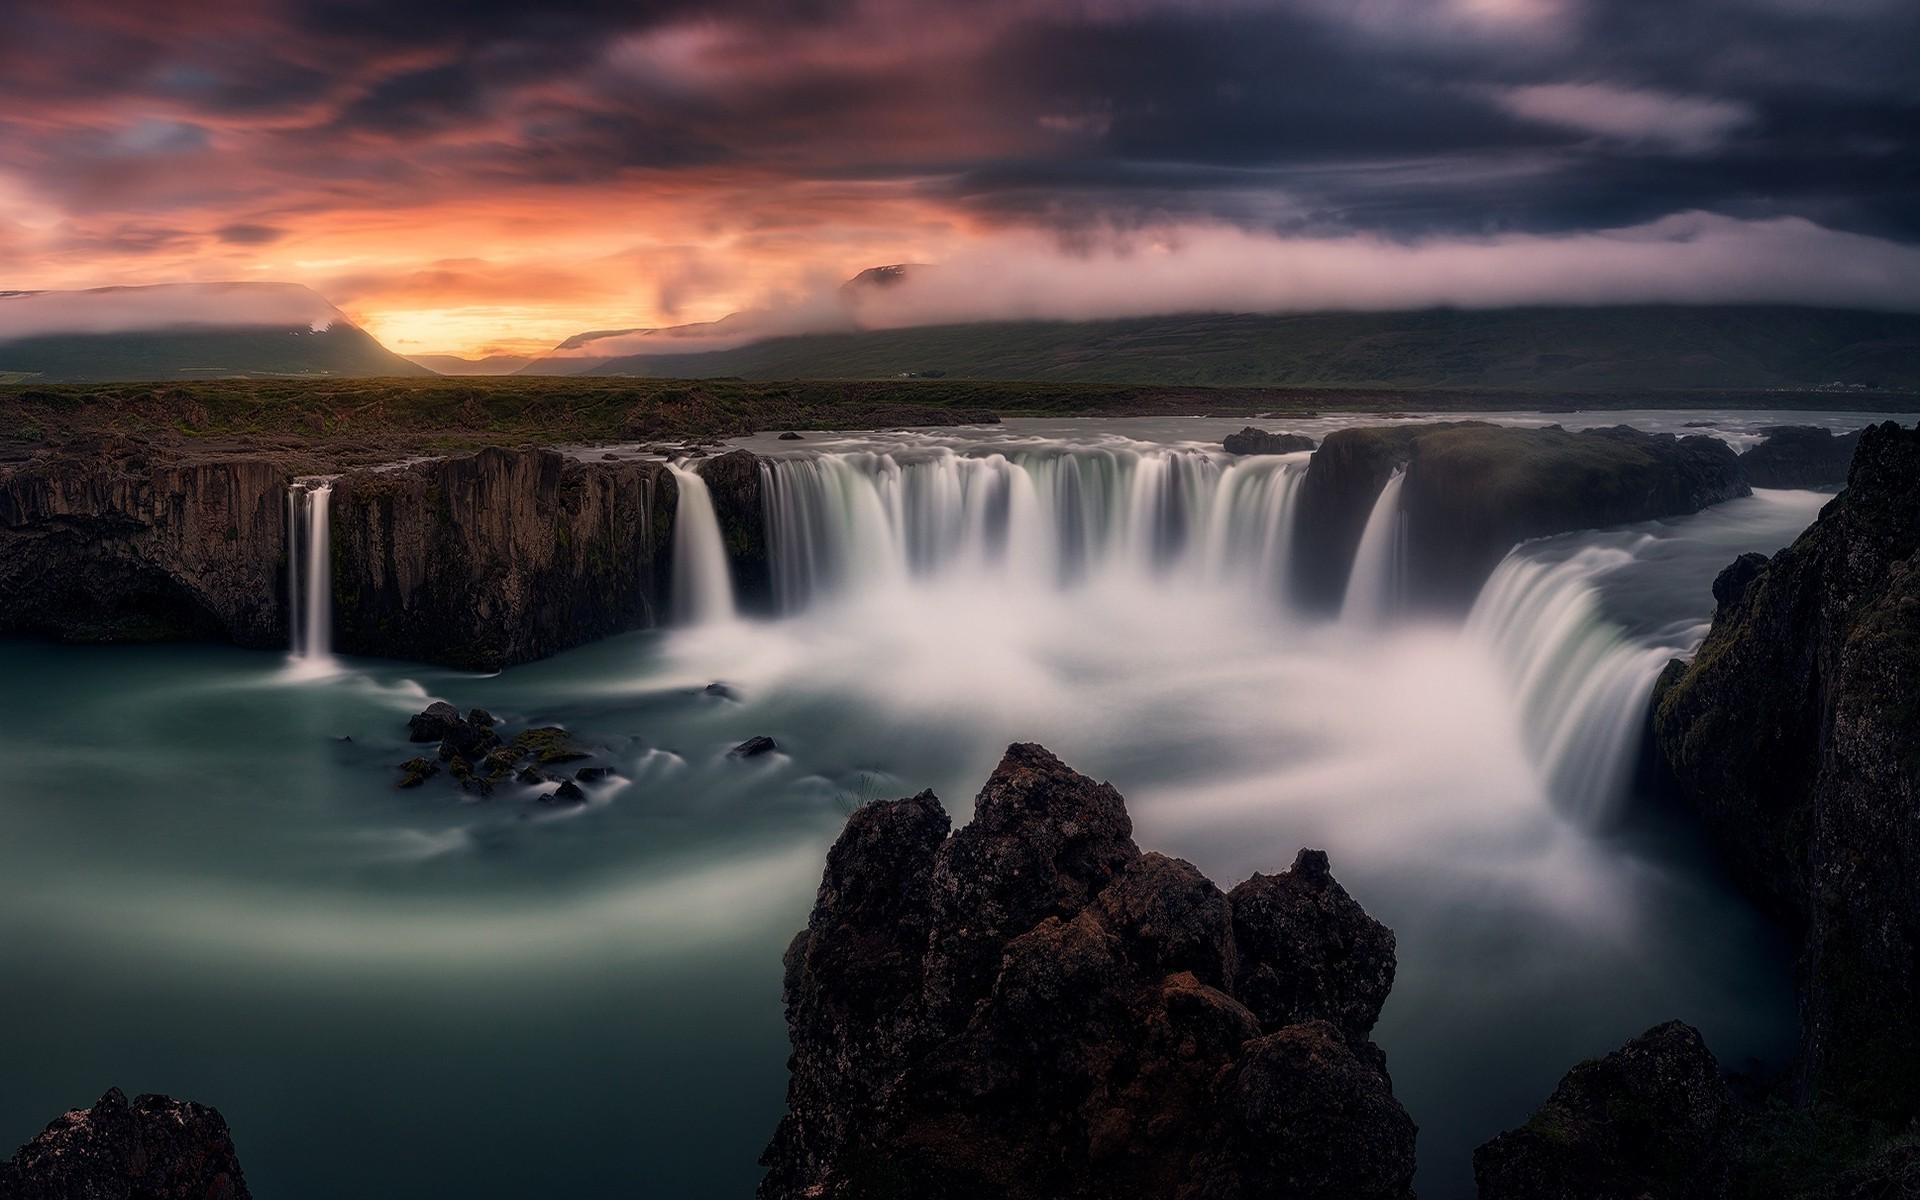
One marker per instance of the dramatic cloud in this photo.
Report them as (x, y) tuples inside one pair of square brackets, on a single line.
[(641, 164)]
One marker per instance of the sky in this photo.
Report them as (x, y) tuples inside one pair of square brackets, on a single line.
[(486, 176)]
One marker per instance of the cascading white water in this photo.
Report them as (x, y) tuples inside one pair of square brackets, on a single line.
[(857, 522), (702, 584), (310, 574), (1581, 683), (1376, 584)]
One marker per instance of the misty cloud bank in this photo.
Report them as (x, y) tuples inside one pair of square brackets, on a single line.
[(1693, 258), (164, 306)]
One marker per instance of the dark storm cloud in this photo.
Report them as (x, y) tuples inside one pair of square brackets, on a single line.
[(1400, 119)]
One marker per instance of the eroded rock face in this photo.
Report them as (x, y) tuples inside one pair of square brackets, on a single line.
[(1473, 491), (1031, 1007), (499, 557), (150, 1148), (1261, 441), (1800, 456), (1649, 1121), (1795, 735), (106, 540)]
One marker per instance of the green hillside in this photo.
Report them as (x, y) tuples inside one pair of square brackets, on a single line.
[(200, 353), (1567, 349)]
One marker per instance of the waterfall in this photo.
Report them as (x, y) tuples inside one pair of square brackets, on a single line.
[(1580, 681), (702, 585), (310, 574), (1041, 519), (1376, 585)]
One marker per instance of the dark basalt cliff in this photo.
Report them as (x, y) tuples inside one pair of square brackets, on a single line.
[(1033, 1008), (479, 560), (498, 557), (1795, 735), (1800, 456), (1473, 491), (106, 541), (153, 1148)]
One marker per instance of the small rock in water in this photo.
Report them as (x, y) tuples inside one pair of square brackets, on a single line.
[(531, 777), (480, 717), (342, 737), (754, 747), (1260, 441), (592, 774), (548, 744), (567, 793), (416, 771), (790, 436), (721, 690), (434, 723)]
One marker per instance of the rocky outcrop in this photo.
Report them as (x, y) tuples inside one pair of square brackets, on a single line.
[(152, 1148), (1651, 1121), (1800, 456), (734, 480), (1261, 441), (108, 540), (1794, 734), (1032, 1008), (1473, 491), (498, 557)]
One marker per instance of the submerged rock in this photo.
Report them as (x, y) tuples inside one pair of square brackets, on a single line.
[(1794, 736), (1032, 1008), (790, 436), (1800, 456), (567, 793), (593, 774), (1260, 441), (150, 1148), (754, 747), (548, 744), (1648, 1122)]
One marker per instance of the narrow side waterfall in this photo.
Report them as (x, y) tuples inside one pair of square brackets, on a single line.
[(1376, 585), (1046, 519), (1580, 681), (310, 574), (702, 584)]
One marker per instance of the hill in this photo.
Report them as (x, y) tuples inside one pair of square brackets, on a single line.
[(1557, 349), (453, 364), (185, 331)]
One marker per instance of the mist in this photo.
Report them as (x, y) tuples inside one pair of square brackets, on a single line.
[(1689, 258), (165, 306)]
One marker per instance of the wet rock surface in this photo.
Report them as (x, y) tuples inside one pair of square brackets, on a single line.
[(479, 759), (1800, 456), (489, 559), (113, 539), (1794, 734), (1650, 1120), (1260, 441), (1473, 491), (1031, 1007), (148, 1148)]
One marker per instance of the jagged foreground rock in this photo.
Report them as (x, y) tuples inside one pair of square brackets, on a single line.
[(1650, 1121), (153, 1148), (1795, 735), (1033, 1008)]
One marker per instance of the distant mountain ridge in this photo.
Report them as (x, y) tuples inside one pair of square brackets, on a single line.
[(1556, 348), (185, 331)]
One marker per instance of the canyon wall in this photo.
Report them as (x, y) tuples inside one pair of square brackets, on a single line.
[(498, 557)]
